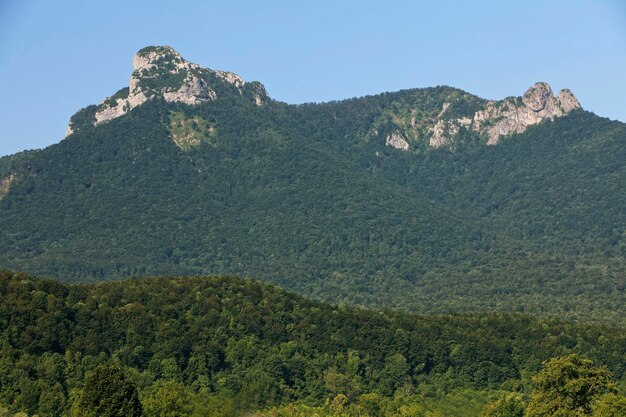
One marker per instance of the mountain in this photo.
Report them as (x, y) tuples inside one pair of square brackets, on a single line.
[(229, 346), (431, 200)]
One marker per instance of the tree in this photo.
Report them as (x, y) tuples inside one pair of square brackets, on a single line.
[(509, 405), (610, 405), (108, 393), (170, 399), (394, 374), (259, 389), (568, 387), (371, 405)]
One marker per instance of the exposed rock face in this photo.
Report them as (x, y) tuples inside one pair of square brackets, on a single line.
[(5, 184), (120, 108), (193, 91), (441, 133), (396, 140), (538, 96), (567, 100), (151, 64), (508, 116), (511, 115), (231, 78), (162, 72)]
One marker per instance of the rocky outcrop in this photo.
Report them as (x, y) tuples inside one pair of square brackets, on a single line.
[(396, 140), (193, 91), (119, 108), (502, 118), (5, 184), (441, 133), (231, 78), (567, 100), (150, 64), (162, 72)]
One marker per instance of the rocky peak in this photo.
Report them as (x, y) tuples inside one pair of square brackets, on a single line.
[(567, 100), (502, 118), (154, 56), (538, 96), (161, 72), (492, 119)]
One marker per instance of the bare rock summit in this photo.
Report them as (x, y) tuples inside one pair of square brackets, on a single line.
[(161, 72), (502, 118)]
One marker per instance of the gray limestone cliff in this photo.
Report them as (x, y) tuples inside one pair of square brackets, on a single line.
[(502, 118), (5, 184), (161, 72), (396, 140), (492, 120)]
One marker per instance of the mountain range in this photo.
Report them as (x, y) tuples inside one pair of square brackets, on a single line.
[(431, 200)]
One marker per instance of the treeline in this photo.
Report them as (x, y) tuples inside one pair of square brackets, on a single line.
[(244, 345)]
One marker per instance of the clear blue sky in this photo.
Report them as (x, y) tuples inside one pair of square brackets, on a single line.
[(59, 56)]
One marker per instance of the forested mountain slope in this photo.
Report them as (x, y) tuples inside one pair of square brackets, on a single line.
[(237, 345), (393, 200)]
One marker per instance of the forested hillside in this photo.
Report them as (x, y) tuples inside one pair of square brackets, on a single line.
[(224, 346), (326, 199)]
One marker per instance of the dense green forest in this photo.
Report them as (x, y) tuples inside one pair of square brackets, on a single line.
[(214, 346), (309, 198), (496, 272)]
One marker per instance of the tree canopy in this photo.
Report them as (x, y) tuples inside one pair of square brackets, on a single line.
[(219, 343), (108, 393), (309, 197)]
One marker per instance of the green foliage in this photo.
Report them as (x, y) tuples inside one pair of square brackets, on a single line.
[(148, 49), (163, 77), (108, 393), (568, 387), (460, 403), (310, 198), (168, 399), (510, 405), (84, 119), (188, 133), (610, 405), (11, 163), (394, 374), (112, 101), (226, 346)]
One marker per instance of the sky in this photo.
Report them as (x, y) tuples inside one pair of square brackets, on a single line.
[(57, 56)]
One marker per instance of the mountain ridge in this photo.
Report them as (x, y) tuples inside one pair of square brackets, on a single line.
[(160, 71), (313, 198)]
